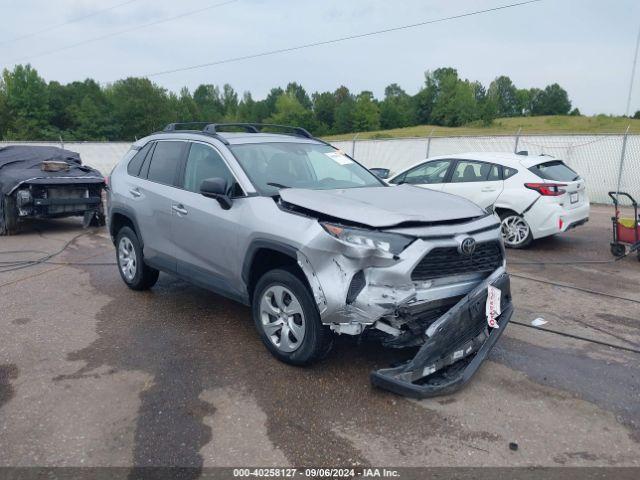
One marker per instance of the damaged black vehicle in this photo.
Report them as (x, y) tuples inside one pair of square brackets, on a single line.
[(47, 182), (317, 245)]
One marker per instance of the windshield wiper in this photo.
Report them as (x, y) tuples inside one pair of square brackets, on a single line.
[(277, 185)]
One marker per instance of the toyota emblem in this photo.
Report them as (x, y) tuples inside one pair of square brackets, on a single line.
[(468, 246)]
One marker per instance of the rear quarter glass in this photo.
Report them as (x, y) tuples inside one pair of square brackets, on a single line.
[(555, 170)]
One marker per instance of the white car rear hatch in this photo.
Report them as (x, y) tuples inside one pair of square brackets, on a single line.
[(557, 181)]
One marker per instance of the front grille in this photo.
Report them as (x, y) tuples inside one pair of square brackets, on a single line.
[(447, 261)]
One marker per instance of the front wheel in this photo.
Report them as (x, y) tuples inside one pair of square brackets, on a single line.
[(515, 230), (287, 319), (8, 215)]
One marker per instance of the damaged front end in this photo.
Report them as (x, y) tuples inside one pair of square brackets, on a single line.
[(457, 343), (412, 285)]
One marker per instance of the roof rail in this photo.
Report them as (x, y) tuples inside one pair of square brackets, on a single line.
[(257, 128), (214, 129)]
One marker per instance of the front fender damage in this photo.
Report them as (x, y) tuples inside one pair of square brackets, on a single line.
[(458, 342)]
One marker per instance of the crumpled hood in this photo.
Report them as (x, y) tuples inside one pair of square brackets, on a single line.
[(380, 207)]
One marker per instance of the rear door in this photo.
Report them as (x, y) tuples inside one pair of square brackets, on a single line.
[(206, 235), (431, 174), (556, 171), (154, 194), (480, 182)]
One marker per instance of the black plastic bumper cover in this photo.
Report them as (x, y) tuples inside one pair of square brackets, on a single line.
[(452, 354)]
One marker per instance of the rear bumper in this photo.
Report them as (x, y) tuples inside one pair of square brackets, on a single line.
[(549, 218), (459, 343)]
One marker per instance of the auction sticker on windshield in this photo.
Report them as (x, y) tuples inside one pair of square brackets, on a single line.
[(339, 157)]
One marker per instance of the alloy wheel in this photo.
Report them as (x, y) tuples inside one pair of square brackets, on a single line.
[(127, 259), (282, 318), (515, 230)]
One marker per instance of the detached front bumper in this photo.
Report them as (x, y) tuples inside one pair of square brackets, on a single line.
[(458, 342)]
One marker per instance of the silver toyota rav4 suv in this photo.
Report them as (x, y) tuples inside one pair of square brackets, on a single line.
[(316, 244)]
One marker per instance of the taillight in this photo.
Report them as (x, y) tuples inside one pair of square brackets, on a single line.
[(106, 181), (547, 189)]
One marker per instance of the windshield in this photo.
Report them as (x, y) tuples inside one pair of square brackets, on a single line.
[(272, 166), (555, 170)]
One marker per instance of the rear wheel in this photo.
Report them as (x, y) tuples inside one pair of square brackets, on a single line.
[(8, 215), (288, 320), (515, 230), (135, 273)]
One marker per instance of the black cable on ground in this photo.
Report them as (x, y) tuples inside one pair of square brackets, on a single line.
[(21, 264), (573, 287), (577, 337)]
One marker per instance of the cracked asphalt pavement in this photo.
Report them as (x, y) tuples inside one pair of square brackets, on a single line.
[(94, 374)]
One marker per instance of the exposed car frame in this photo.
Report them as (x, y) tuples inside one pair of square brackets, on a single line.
[(47, 182)]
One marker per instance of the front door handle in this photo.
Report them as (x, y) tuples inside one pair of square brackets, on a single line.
[(135, 192), (179, 209)]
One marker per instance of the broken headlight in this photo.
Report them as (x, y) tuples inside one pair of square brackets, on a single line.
[(385, 242)]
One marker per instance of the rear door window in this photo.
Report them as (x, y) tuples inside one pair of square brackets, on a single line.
[(469, 171), (555, 170), (165, 161)]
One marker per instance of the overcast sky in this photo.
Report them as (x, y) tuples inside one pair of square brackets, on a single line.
[(585, 45)]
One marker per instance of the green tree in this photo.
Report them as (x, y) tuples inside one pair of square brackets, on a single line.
[(229, 102), (209, 103), (456, 102), (344, 112), (27, 103), (289, 111), (553, 100), (635, 115), (246, 109), (324, 106), (366, 114), (300, 93), (396, 110), (139, 107), (505, 96)]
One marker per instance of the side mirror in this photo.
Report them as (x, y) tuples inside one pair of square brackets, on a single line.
[(216, 188), (382, 173)]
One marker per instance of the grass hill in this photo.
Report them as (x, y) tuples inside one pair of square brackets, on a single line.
[(509, 126)]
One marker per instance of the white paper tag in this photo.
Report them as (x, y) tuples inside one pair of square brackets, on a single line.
[(493, 306), (339, 157)]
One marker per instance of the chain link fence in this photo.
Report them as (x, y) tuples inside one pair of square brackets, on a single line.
[(603, 160)]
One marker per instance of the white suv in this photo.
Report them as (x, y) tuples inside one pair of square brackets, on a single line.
[(535, 196)]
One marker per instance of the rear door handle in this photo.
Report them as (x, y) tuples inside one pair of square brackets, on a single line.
[(179, 209), (488, 189), (135, 192)]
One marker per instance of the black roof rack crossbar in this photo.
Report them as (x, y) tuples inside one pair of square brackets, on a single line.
[(172, 127), (217, 127)]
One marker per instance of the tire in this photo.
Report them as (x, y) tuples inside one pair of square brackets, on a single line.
[(307, 338), (515, 230), (129, 258), (8, 215), (618, 250)]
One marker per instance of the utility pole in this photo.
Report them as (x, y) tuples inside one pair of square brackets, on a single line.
[(633, 73)]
